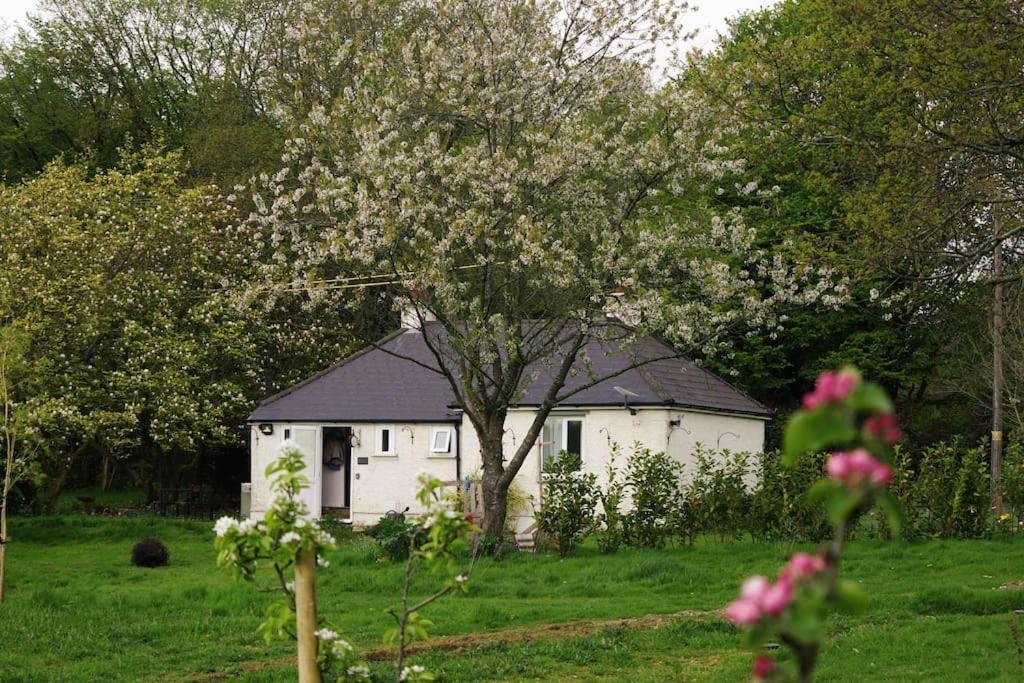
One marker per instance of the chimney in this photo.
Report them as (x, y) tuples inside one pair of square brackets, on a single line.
[(618, 308), (410, 318)]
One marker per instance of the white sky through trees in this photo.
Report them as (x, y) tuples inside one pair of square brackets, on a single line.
[(709, 18)]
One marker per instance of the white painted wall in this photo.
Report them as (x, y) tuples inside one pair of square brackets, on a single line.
[(385, 482), (603, 427), (388, 482)]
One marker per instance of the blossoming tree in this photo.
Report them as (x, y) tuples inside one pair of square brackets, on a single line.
[(513, 172), (842, 412)]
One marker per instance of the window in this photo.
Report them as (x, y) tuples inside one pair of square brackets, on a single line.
[(385, 440), (561, 434), (440, 440)]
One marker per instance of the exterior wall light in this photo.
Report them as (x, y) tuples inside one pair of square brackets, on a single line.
[(266, 428)]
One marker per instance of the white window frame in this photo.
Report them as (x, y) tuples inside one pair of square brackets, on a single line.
[(565, 432), (563, 441), (447, 450), (378, 433)]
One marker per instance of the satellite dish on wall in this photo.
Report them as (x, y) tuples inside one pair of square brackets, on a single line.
[(626, 394)]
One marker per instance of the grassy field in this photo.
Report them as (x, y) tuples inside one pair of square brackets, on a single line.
[(78, 611)]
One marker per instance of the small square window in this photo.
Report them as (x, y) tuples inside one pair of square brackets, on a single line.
[(441, 440), (385, 440)]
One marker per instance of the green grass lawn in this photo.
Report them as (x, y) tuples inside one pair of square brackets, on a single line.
[(78, 611)]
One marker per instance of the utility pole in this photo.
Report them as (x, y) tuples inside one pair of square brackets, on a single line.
[(997, 367)]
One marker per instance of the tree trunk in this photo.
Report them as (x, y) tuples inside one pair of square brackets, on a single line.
[(305, 616), (3, 530), (3, 566), (105, 473), (55, 484), (495, 508), (997, 374), (495, 491)]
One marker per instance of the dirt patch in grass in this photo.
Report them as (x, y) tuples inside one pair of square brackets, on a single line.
[(522, 634), (459, 642), (1012, 584)]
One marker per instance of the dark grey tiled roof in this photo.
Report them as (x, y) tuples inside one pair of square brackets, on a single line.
[(374, 385)]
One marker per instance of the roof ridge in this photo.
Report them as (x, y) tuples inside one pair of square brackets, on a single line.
[(344, 361), (648, 378)]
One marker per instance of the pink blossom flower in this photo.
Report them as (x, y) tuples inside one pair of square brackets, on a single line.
[(802, 565), (743, 612), (763, 667), (838, 467), (855, 467), (861, 462), (830, 387), (881, 475), (883, 427), (754, 588), (777, 597)]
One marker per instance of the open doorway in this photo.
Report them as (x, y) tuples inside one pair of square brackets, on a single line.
[(337, 471)]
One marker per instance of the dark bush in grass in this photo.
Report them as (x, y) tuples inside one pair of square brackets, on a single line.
[(149, 552), (394, 536)]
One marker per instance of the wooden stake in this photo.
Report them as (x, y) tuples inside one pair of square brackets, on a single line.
[(10, 444), (305, 616)]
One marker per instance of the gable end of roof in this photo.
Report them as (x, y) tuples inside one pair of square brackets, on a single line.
[(344, 361)]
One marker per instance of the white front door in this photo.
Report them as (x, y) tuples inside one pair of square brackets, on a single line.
[(307, 440)]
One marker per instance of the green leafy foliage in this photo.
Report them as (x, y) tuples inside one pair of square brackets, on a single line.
[(569, 499), (783, 505), (858, 112), (610, 524), (716, 498), (944, 490), (653, 480), (395, 537)]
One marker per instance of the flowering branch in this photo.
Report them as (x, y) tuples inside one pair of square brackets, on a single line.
[(288, 539), (841, 412)]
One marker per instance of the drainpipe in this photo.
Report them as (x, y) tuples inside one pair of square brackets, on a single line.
[(458, 454)]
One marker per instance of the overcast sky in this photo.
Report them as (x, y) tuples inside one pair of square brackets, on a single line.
[(709, 18)]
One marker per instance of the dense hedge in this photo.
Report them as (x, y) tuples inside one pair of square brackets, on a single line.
[(944, 489)]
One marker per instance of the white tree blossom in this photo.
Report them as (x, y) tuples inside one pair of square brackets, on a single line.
[(511, 170)]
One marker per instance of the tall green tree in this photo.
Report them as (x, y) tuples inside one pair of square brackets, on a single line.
[(92, 75), (124, 281), (891, 144)]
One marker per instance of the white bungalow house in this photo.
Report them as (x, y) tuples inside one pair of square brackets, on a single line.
[(372, 423)]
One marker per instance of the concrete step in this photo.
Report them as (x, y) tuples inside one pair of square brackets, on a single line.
[(526, 542)]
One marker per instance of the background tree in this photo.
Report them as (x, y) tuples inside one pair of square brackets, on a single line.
[(501, 167), (16, 431), (123, 281), (90, 75), (880, 130)]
